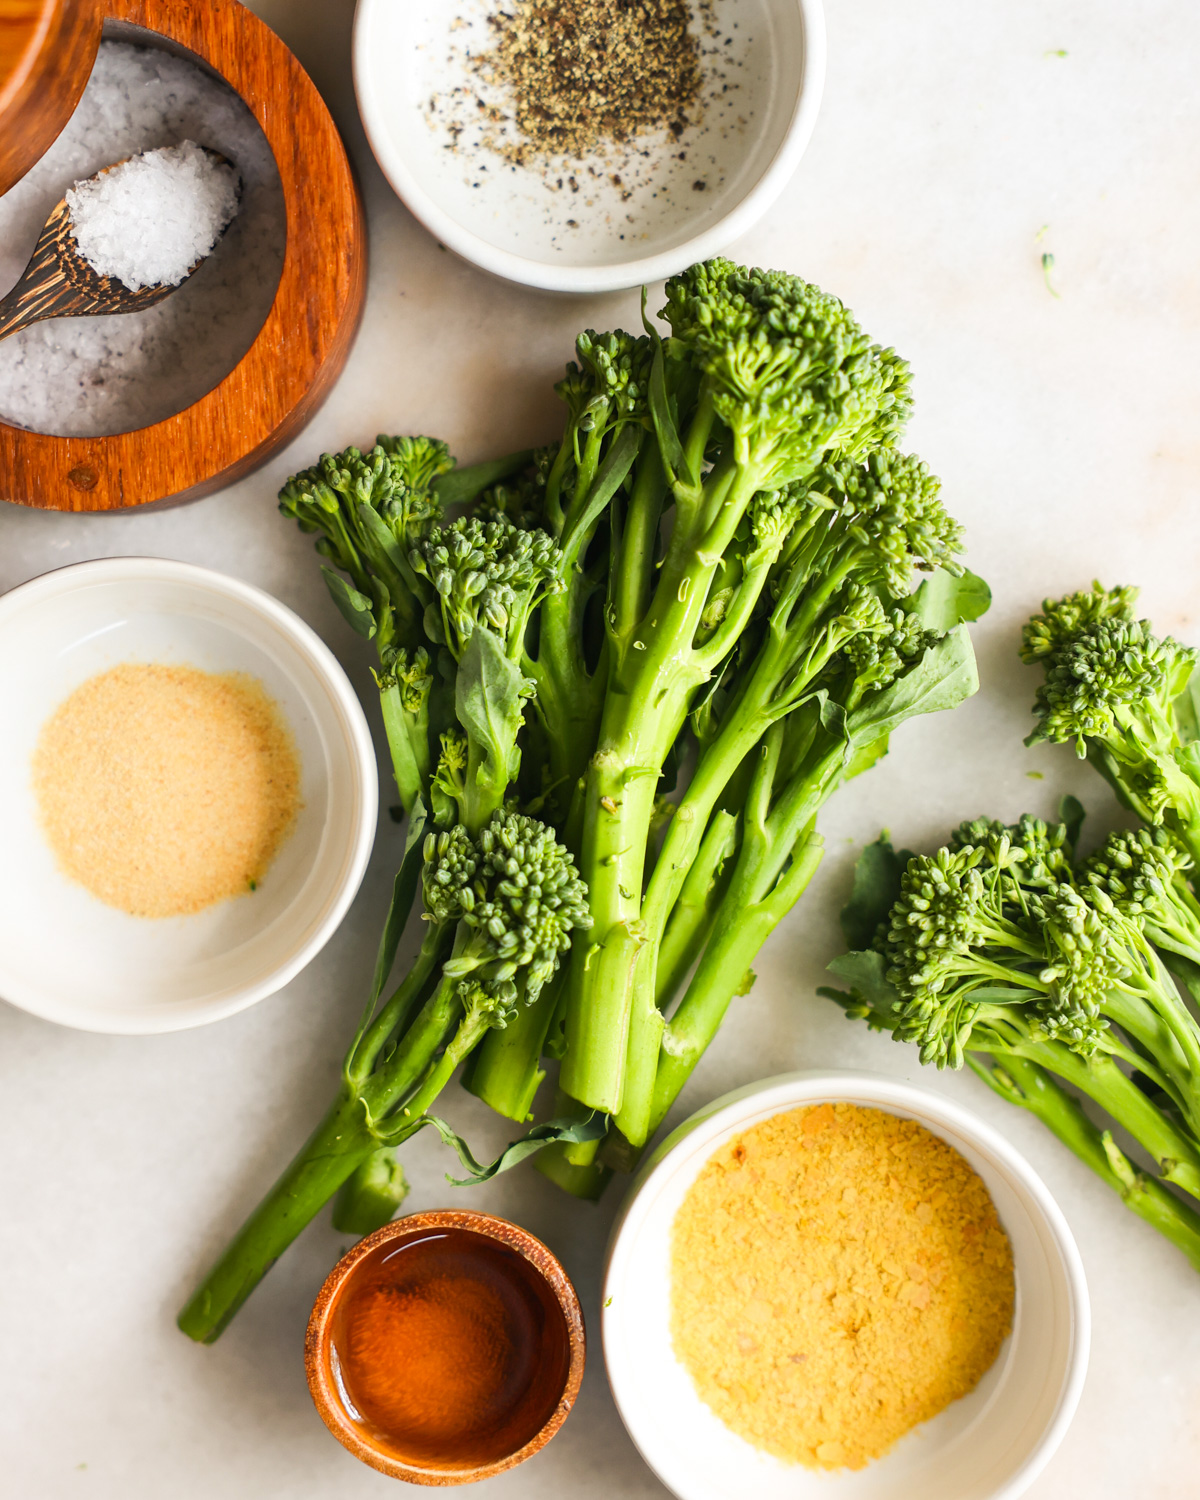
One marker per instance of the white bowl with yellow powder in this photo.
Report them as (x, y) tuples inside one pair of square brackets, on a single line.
[(188, 794), (763, 1289)]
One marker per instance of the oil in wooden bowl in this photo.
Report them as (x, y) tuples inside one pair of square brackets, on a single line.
[(449, 1350)]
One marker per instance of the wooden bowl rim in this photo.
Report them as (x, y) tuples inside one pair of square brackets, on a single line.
[(271, 391), (36, 29), (317, 1339)]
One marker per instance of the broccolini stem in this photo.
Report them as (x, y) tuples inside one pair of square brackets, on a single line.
[(570, 697), (650, 690), (1173, 1149), (504, 1070), (340, 1142), (469, 1032), (371, 1195), (1030, 1087), (390, 1021), (746, 920), (408, 742), (586, 1182), (655, 983), (394, 1079), (633, 584), (576, 1171), (763, 888), (343, 1140), (699, 896)]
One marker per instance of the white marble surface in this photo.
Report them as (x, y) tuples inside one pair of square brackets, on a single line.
[(1065, 430)]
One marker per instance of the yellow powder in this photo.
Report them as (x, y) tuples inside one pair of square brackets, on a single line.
[(838, 1275), (166, 789)]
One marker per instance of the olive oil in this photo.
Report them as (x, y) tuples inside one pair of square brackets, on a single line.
[(449, 1350)]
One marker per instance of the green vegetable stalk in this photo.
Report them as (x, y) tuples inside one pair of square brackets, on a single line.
[(1002, 951), (500, 911), (763, 376), (620, 678), (1126, 699), (370, 511)]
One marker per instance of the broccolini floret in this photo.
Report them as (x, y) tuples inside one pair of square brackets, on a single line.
[(500, 910), (619, 684), (1112, 688), (997, 951)]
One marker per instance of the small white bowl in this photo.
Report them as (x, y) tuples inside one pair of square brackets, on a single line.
[(66, 956), (990, 1445), (602, 236)]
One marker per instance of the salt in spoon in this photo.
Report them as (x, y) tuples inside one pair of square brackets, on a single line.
[(59, 283)]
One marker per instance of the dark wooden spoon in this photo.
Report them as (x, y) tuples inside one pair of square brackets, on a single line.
[(59, 283)]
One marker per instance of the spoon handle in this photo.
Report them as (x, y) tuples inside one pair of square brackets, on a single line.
[(43, 290), (19, 309)]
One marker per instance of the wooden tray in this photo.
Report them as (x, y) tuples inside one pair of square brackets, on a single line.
[(47, 48)]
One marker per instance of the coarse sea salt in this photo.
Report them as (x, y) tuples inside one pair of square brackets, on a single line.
[(84, 377), (148, 220)]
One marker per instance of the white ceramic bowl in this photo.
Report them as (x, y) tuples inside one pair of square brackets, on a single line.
[(64, 954), (603, 236), (988, 1446)]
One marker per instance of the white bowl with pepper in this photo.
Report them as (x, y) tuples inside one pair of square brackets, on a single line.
[(588, 145), (188, 790)]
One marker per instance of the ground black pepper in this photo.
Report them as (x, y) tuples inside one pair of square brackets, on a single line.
[(581, 74)]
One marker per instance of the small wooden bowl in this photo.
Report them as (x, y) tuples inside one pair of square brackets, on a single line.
[(317, 1346), (300, 349), (47, 48)]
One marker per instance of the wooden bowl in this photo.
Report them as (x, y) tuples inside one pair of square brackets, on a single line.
[(300, 349), (47, 48), (323, 1383)]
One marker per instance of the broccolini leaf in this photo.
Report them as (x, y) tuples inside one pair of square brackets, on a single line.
[(461, 486), (404, 889), (1187, 710), (945, 676), (865, 973), (663, 418), (567, 1130), (609, 478), (357, 608), (1071, 813), (489, 694), (943, 601), (876, 887)]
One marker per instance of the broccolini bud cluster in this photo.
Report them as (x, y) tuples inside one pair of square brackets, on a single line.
[(1083, 966), (411, 672), (519, 906), (1140, 870), (890, 503), (1107, 674), (451, 863), (394, 480), (786, 362), (1039, 851), (995, 921), (488, 573), (610, 380), (1145, 874), (1063, 619), (521, 499), (536, 898), (878, 655)]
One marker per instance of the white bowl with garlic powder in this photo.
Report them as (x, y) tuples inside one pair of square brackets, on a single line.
[(615, 220), (989, 1445), (67, 956)]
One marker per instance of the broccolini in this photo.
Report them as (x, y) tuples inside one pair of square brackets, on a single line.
[(639, 662)]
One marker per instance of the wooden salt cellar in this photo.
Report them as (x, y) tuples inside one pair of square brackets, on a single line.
[(47, 48)]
